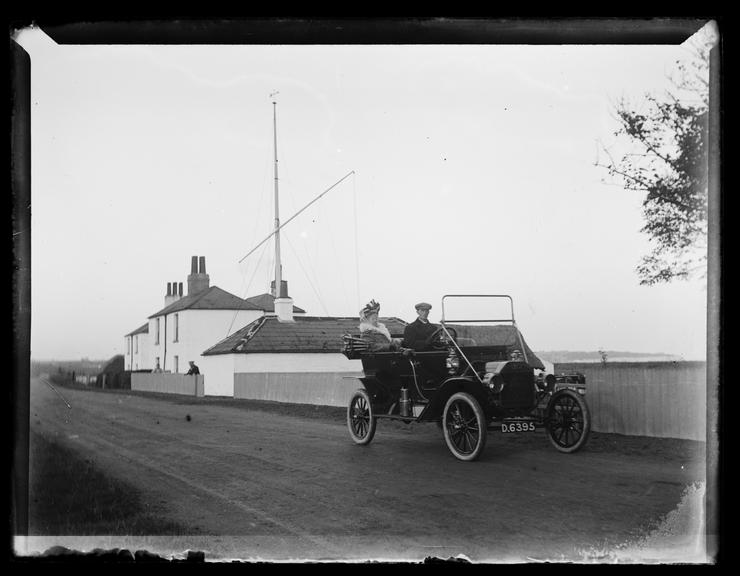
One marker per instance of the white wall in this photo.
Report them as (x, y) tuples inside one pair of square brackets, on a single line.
[(218, 373), (290, 362), (219, 370), (154, 348), (318, 388), (307, 378), (198, 331), (137, 360), (143, 359), (127, 352)]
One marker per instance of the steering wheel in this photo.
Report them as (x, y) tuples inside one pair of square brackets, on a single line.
[(438, 338)]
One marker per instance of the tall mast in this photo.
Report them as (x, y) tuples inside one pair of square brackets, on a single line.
[(278, 264)]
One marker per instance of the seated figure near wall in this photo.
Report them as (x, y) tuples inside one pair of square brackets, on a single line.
[(374, 333)]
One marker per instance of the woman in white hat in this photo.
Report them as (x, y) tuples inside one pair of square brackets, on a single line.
[(374, 333)]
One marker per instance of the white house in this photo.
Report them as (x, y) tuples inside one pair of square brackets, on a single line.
[(136, 356), (191, 323)]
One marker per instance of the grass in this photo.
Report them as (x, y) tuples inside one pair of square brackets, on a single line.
[(68, 495)]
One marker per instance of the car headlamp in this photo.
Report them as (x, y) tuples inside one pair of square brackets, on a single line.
[(495, 382)]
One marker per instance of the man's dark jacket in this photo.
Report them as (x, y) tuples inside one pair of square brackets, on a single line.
[(415, 335)]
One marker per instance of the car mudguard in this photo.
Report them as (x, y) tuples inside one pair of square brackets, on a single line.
[(438, 399)]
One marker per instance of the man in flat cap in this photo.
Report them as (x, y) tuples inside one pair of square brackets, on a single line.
[(416, 335)]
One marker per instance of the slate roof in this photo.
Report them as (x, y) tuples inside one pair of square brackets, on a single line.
[(266, 302), (213, 298), (140, 330), (304, 334)]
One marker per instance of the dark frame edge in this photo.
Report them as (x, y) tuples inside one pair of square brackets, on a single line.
[(20, 138)]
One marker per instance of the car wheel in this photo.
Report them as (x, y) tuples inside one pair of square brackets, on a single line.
[(568, 421), (464, 426), (360, 418)]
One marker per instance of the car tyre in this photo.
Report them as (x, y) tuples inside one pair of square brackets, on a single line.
[(568, 421), (464, 426), (361, 419)]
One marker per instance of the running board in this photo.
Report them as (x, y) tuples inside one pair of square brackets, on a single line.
[(397, 417)]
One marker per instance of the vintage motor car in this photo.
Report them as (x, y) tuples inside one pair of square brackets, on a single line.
[(475, 376)]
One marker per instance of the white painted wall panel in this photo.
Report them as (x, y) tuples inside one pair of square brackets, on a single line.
[(296, 362), (317, 388), (218, 374)]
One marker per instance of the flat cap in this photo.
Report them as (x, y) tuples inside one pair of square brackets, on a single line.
[(423, 306)]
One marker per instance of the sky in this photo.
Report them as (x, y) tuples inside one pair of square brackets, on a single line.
[(471, 170)]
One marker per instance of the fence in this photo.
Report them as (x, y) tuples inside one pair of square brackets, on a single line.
[(167, 383), (660, 399), (321, 388)]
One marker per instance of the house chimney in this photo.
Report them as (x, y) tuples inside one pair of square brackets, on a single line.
[(283, 289), (283, 303), (171, 295), (198, 281), (284, 309)]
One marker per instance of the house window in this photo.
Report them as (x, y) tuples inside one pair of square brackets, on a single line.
[(156, 333), (177, 364), (177, 328), (137, 344)]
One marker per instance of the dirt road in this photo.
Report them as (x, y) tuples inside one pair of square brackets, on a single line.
[(254, 484)]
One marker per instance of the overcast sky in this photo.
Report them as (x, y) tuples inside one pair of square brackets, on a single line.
[(473, 173)]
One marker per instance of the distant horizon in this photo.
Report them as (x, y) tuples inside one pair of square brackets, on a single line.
[(608, 352)]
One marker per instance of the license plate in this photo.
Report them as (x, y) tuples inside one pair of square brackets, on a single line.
[(517, 427)]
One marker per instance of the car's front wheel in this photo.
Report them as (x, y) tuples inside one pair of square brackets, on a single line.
[(360, 418), (464, 426), (568, 421)]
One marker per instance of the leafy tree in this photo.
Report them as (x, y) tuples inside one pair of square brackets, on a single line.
[(667, 161)]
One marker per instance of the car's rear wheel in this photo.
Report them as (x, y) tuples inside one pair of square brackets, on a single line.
[(464, 426), (361, 420), (568, 421)]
